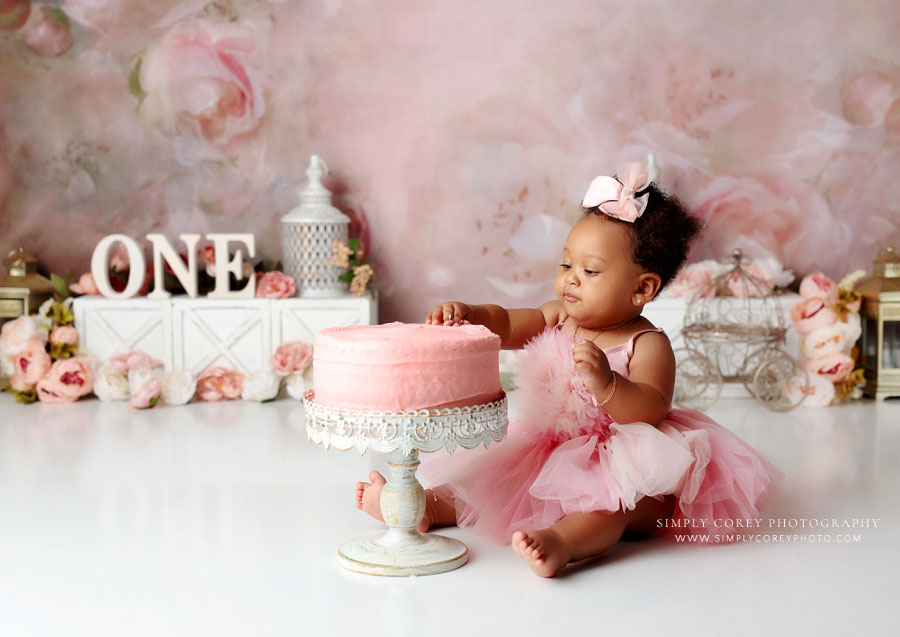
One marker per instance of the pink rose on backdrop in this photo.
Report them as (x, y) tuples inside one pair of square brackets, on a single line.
[(147, 396), (892, 119), (817, 284), (810, 314), (693, 278), (783, 216), (275, 285), (68, 380), (197, 81), (218, 383), (835, 367), (31, 362), (865, 98), (47, 32), (64, 335), (291, 357), (14, 13)]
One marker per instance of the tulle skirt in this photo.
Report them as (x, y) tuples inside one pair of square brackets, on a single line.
[(530, 480)]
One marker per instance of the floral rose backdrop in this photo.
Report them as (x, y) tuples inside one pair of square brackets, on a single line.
[(460, 137)]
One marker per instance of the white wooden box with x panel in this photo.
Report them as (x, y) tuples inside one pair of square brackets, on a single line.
[(196, 333), (106, 326)]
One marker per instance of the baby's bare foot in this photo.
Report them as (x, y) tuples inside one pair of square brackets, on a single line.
[(368, 495), (545, 551), (368, 498)]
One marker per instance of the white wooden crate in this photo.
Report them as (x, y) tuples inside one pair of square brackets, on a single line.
[(194, 334), (106, 326)]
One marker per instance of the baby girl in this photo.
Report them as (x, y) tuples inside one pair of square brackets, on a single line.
[(597, 452)]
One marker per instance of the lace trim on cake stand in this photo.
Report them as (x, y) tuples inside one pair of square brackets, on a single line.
[(425, 430)]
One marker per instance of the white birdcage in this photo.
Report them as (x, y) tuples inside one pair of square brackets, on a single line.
[(734, 330), (308, 235)]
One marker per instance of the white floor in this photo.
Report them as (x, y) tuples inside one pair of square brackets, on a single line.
[(221, 519)]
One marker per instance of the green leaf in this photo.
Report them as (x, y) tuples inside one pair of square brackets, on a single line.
[(60, 19), (60, 287), (134, 82), (346, 277), (25, 397), (353, 244), (60, 314), (60, 351)]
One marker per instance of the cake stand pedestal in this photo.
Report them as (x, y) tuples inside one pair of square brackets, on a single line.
[(402, 550)]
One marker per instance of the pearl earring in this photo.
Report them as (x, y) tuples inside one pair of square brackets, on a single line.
[(640, 301)]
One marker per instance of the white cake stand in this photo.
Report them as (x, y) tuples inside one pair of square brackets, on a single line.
[(402, 550)]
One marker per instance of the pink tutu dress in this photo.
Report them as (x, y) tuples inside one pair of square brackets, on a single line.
[(564, 454)]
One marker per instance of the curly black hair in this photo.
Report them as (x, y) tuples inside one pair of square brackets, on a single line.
[(661, 236)]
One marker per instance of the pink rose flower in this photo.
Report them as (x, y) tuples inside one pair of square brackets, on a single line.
[(64, 335), (834, 367), (693, 279), (865, 98), (291, 357), (198, 81), (18, 383), (786, 218), (68, 380), (85, 285), (47, 32), (14, 13), (32, 362), (147, 396), (123, 362), (275, 285), (748, 287), (811, 313), (217, 383), (13, 337), (817, 284)]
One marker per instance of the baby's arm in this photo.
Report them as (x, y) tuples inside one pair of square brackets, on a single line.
[(514, 327), (646, 396)]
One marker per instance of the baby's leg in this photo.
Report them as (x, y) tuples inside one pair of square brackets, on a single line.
[(439, 510), (576, 536)]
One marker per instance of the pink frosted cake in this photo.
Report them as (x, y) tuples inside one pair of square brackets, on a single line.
[(401, 366)]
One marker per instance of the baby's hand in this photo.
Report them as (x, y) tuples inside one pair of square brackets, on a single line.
[(591, 361), (449, 313)]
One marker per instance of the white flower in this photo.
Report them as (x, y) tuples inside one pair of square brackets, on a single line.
[(261, 386), (139, 377), (110, 386), (13, 337), (178, 387), (780, 276), (852, 329), (819, 393), (299, 383), (849, 281), (43, 314)]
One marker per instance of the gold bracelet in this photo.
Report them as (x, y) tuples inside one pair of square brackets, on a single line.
[(608, 398)]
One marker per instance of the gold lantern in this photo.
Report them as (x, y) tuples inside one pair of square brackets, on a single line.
[(22, 290), (880, 313)]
